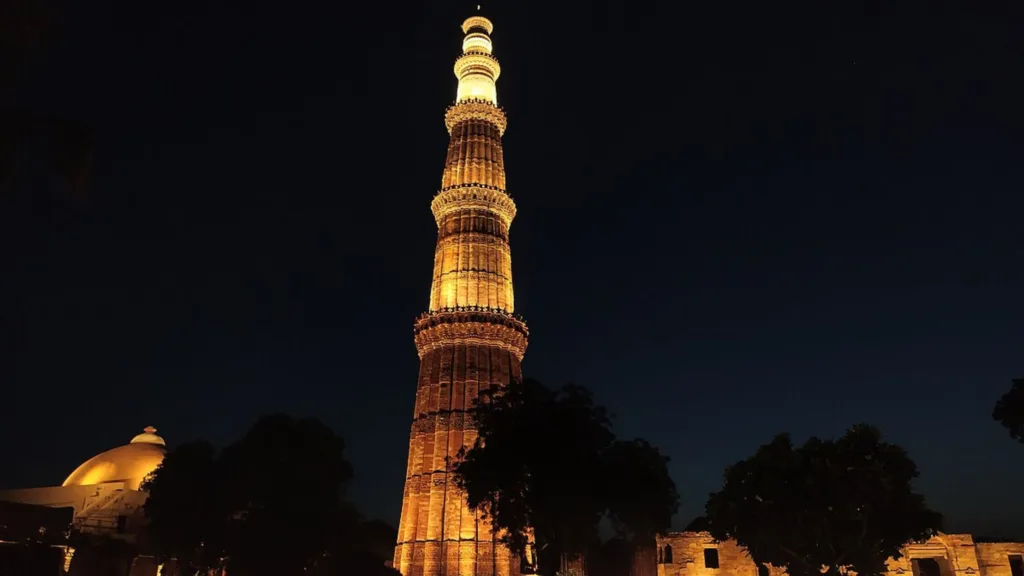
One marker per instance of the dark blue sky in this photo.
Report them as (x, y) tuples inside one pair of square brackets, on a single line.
[(735, 219)]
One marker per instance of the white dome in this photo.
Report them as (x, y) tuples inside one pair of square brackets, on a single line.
[(130, 463)]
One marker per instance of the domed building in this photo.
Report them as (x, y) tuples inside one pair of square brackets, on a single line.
[(104, 491), (130, 464)]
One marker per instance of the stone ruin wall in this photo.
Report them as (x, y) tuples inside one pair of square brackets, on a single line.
[(955, 554), (993, 557), (687, 556)]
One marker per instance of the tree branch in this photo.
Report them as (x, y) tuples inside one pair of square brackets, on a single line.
[(795, 555)]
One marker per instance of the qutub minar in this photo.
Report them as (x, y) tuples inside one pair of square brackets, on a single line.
[(468, 340)]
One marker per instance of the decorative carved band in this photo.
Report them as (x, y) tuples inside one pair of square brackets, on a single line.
[(477, 62), (481, 239), (468, 196), (477, 21), (482, 309), (475, 110), (471, 325), (474, 275)]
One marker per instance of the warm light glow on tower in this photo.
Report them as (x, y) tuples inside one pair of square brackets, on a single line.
[(476, 69), (468, 340)]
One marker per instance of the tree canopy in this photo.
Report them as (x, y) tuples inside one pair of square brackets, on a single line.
[(1009, 410), (183, 510), (847, 503), (270, 503), (546, 462)]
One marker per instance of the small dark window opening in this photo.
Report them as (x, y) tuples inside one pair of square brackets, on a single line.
[(762, 570), (668, 554), (1016, 565), (122, 524), (928, 567), (710, 558)]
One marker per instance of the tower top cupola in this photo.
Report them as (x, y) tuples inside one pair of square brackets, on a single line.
[(477, 69)]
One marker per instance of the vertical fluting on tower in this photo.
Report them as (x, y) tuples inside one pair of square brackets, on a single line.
[(468, 340)]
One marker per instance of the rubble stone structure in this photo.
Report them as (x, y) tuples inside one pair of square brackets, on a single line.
[(469, 340), (698, 554)]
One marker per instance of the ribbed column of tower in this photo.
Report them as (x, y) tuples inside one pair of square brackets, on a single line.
[(469, 340)]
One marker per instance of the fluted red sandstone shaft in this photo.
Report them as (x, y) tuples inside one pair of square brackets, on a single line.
[(469, 340), (474, 155)]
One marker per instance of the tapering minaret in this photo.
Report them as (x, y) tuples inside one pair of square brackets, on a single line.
[(468, 340)]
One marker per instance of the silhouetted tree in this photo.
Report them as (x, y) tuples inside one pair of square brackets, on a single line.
[(698, 524), (26, 30), (547, 461), (285, 479), (642, 497), (62, 146), (376, 538), (185, 515), (614, 557), (1009, 410), (271, 503), (847, 503), (362, 550)]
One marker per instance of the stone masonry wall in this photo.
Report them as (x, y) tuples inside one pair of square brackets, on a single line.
[(994, 557), (687, 556), (955, 554)]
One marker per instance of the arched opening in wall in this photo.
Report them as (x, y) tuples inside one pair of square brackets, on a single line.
[(668, 554), (762, 570)]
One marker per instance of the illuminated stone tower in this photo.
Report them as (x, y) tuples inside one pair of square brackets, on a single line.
[(468, 340)]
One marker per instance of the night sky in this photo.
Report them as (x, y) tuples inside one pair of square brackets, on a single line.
[(735, 219)]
